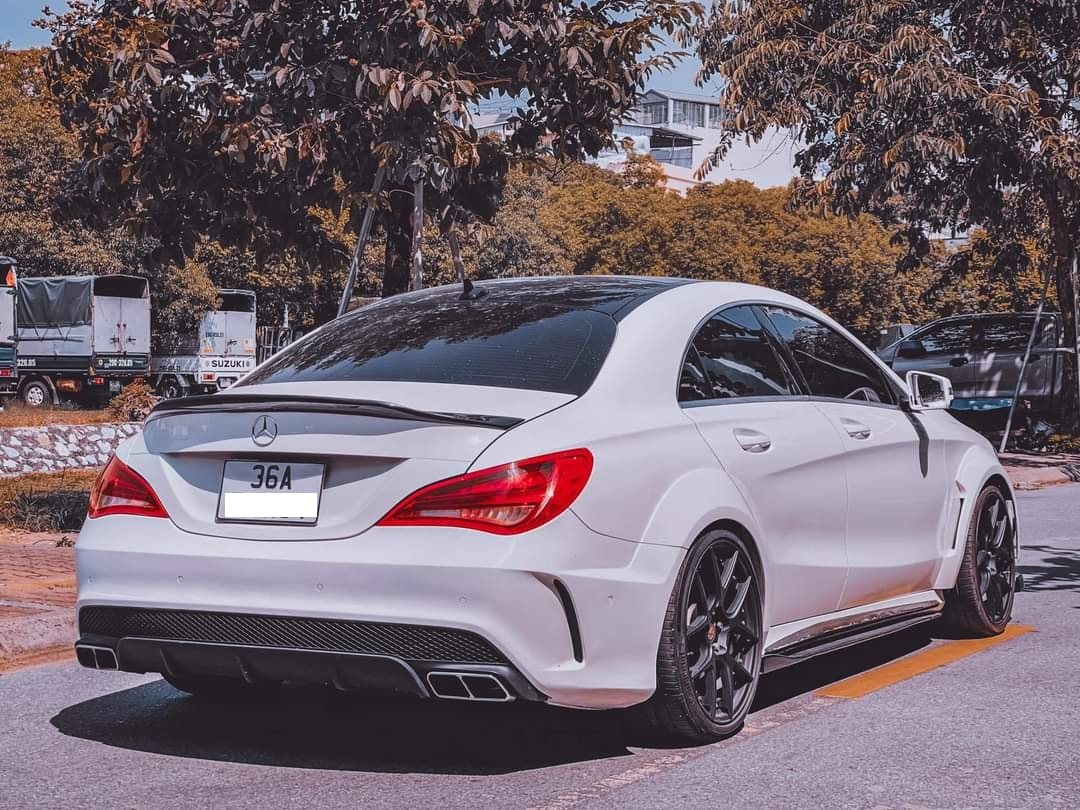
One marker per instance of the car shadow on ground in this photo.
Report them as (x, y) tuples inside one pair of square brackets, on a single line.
[(325, 730), (1057, 569)]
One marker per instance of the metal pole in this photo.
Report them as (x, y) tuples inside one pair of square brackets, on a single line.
[(361, 243), (1027, 356), (1076, 329), (418, 234)]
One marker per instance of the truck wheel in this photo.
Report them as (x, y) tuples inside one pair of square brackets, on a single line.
[(170, 388), (36, 394)]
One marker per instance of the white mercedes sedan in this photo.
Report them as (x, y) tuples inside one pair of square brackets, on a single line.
[(597, 492)]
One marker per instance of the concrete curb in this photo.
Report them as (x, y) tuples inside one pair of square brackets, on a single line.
[(25, 636), (1033, 472)]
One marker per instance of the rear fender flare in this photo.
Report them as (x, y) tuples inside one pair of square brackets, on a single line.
[(701, 499)]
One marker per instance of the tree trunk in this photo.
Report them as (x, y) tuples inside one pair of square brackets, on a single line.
[(1063, 250), (455, 253)]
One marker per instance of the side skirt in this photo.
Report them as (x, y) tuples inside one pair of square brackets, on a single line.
[(833, 633)]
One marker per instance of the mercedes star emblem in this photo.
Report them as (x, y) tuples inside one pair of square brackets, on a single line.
[(264, 431)]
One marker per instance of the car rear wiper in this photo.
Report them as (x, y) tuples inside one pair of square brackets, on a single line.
[(270, 403)]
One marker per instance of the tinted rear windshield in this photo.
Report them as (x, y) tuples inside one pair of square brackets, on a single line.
[(500, 343)]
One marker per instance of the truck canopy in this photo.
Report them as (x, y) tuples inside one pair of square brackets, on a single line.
[(236, 301), (60, 301)]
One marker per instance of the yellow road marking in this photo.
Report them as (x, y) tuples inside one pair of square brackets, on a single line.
[(863, 684)]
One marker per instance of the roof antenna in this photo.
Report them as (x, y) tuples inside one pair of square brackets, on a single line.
[(472, 292)]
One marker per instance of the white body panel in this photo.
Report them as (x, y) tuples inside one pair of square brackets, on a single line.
[(121, 325), (842, 526), (7, 315)]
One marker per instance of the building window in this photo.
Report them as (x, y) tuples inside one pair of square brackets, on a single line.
[(655, 112), (689, 112), (716, 116)]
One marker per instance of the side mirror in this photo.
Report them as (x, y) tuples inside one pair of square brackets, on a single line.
[(928, 392), (911, 349)]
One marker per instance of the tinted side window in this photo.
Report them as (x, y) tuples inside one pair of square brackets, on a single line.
[(737, 359), (693, 383), (1011, 334), (950, 338), (832, 365)]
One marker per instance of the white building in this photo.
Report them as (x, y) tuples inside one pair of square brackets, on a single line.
[(679, 130)]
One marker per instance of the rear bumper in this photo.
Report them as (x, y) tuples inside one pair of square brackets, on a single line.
[(573, 617), (343, 671)]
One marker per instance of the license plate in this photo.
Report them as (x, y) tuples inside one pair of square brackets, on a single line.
[(114, 386), (270, 492)]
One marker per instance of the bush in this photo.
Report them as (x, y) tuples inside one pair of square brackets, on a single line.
[(133, 403)]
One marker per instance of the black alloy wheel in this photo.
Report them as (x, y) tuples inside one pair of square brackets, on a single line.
[(709, 660), (981, 603), (995, 559), (723, 631)]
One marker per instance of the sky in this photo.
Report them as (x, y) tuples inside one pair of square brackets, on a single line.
[(765, 164), (16, 17)]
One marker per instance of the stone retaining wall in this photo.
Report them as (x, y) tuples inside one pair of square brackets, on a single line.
[(59, 447)]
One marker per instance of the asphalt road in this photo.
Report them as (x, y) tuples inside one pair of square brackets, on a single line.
[(1000, 728)]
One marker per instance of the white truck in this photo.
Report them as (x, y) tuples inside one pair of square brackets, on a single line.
[(214, 356), (81, 337)]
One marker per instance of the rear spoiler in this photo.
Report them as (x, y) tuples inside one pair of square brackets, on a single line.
[(269, 403)]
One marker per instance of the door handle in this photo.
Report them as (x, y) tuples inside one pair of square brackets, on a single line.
[(857, 430), (956, 362), (1035, 358), (752, 441)]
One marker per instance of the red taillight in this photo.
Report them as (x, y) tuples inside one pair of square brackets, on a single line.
[(7, 372), (120, 490), (510, 499)]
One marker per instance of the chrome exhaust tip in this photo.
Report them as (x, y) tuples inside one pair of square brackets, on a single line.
[(477, 686), (95, 657)]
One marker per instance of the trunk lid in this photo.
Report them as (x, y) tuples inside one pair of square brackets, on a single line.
[(376, 449)]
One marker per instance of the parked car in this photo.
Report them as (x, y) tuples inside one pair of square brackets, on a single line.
[(982, 355), (596, 492)]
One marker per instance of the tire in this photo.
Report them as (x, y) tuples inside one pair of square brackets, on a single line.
[(731, 632), (170, 388), (209, 688), (981, 603), (36, 394)]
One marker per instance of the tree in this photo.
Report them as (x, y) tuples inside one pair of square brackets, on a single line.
[(939, 113), (36, 156), (35, 152), (236, 120), (607, 223)]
